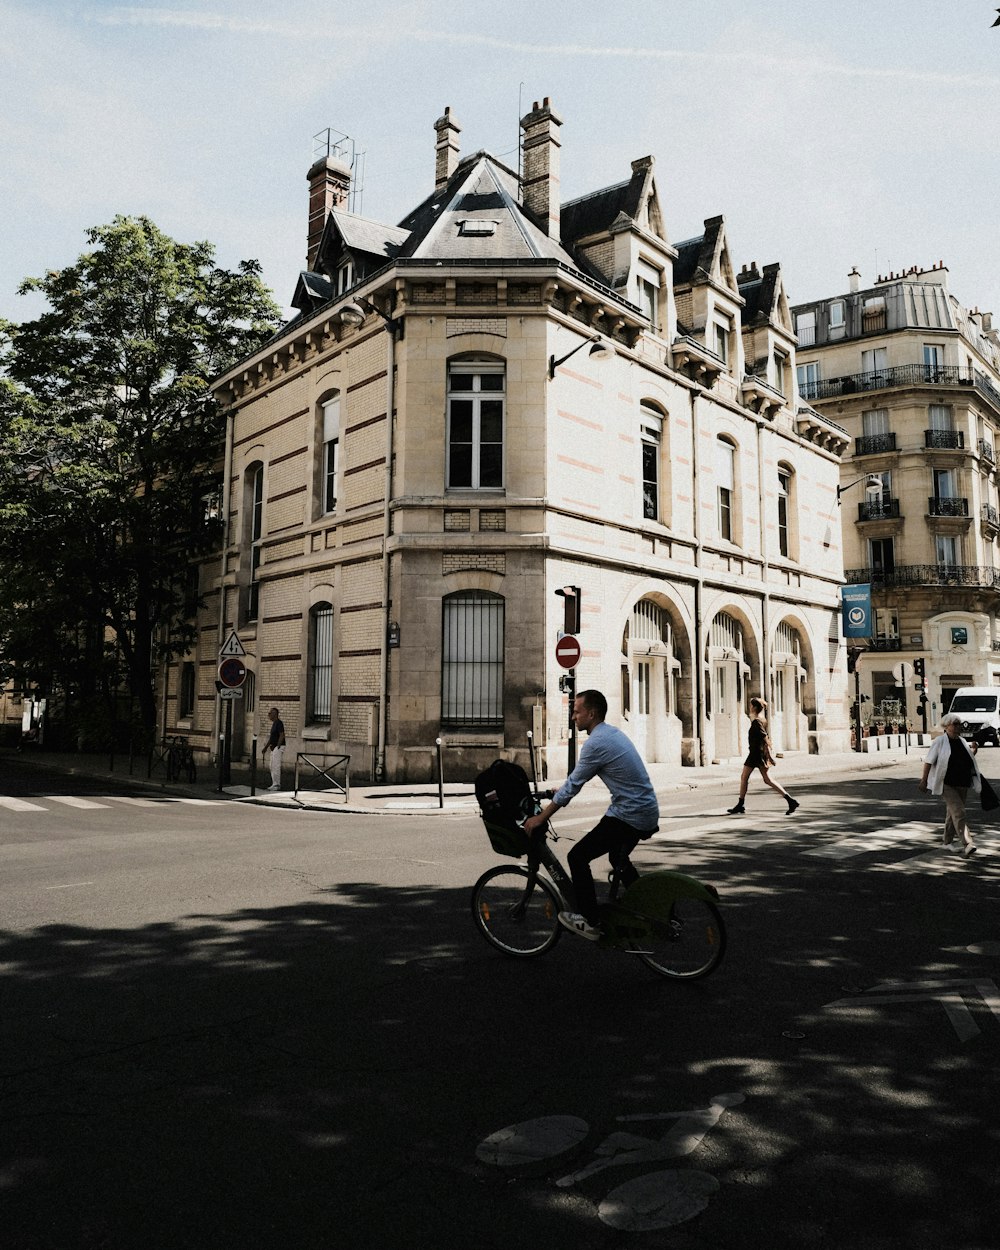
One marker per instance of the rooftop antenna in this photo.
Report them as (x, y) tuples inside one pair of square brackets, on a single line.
[(342, 148)]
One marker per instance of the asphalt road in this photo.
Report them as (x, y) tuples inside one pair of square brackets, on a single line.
[(229, 1026)]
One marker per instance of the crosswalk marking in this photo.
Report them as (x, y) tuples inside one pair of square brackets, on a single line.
[(71, 800), (19, 805), (878, 840)]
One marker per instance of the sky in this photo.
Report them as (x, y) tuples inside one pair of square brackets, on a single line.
[(829, 133)]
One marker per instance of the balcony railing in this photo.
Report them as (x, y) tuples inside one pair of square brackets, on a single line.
[(986, 451), (878, 510), (948, 439), (900, 375), (938, 505), (871, 444), (926, 575)]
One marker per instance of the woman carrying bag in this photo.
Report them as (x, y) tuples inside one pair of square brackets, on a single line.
[(950, 769)]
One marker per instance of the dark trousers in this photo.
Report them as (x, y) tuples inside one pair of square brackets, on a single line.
[(611, 837)]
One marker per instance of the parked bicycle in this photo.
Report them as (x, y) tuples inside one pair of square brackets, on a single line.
[(180, 760), (667, 919)]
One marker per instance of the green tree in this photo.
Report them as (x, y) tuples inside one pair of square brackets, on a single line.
[(110, 447)]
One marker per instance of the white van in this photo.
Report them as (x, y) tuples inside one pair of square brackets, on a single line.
[(978, 708)]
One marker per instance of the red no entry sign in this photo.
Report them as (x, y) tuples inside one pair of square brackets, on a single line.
[(232, 671), (568, 651)]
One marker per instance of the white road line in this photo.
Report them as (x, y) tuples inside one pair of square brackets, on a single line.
[(75, 885), (133, 802), (71, 800), (878, 840), (19, 805), (197, 802)]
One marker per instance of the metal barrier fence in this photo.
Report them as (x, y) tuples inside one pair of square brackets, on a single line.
[(303, 758)]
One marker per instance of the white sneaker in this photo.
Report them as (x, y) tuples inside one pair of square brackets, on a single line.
[(970, 849), (576, 923), (271, 789)]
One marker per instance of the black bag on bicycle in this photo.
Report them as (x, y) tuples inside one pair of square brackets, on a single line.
[(504, 795)]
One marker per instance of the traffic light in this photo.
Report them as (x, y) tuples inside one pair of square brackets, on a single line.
[(918, 666), (853, 655), (571, 608)]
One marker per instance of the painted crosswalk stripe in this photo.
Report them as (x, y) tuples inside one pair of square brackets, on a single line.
[(71, 800), (133, 802), (19, 805), (877, 840)]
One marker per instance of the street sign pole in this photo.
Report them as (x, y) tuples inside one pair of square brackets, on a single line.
[(571, 688)]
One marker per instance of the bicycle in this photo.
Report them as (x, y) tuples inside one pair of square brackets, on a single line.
[(667, 919), (180, 759)]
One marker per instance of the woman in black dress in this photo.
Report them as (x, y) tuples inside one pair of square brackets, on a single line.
[(759, 756)]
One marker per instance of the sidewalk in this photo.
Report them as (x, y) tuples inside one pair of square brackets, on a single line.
[(426, 799)]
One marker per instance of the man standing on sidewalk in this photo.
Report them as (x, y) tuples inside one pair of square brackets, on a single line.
[(276, 745)]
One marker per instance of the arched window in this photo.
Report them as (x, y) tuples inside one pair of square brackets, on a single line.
[(476, 408), (725, 479), (472, 659), (320, 692)]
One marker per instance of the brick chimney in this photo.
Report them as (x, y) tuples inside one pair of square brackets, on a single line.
[(329, 187), (446, 149), (540, 182)]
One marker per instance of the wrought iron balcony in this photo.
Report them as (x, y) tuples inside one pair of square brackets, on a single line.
[(990, 515), (926, 575), (878, 510), (947, 439), (901, 375), (986, 451), (871, 444), (939, 505)]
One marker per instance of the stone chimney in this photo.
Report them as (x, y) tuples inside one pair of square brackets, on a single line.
[(540, 183), (446, 148), (854, 278), (329, 187)]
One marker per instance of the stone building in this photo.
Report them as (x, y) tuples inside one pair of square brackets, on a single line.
[(914, 377), (575, 401)]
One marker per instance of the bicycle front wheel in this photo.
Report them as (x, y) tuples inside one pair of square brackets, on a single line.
[(689, 943), (512, 918)]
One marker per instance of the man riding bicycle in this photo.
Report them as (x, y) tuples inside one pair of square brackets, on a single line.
[(634, 812)]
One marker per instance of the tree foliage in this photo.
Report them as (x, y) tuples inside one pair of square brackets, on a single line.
[(110, 450)]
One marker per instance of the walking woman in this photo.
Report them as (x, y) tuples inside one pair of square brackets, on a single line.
[(950, 768), (759, 757)]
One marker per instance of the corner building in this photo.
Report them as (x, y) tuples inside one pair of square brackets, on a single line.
[(914, 376), (500, 397)]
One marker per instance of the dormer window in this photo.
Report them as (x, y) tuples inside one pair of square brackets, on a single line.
[(477, 227), (345, 277)]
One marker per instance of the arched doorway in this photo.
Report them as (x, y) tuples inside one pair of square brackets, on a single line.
[(651, 683), (729, 671), (785, 722)]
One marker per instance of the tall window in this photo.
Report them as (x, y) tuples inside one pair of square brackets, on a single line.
[(781, 373), (808, 379), (941, 418), (946, 549), (875, 422), (472, 659), (805, 328), (933, 361), (876, 362), (255, 507), (784, 499), (331, 451), (345, 277), (723, 329), (320, 663), (475, 425), (881, 555), (185, 703), (725, 478), (837, 319), (652, 430), (648, 294), (886, 623)]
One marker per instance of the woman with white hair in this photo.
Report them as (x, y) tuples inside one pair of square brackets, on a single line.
[(950, 768)]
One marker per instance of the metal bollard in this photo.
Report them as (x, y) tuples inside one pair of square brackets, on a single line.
[(253, 767), (437, 742)]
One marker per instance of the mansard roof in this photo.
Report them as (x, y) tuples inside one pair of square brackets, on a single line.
[(631, 202), (705, 258), (763, 292)]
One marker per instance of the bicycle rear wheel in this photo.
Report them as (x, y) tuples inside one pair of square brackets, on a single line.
[(512, 919), (688, 944)]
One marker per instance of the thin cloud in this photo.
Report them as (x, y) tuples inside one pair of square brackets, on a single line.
[(130, 16)]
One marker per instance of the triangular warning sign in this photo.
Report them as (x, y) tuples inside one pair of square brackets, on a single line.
[(232, 646)]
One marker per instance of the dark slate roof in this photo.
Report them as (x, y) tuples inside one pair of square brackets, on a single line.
[(477, 216), (591, 214), (760, 291), (696, 257), (361, 235), (311, 290)]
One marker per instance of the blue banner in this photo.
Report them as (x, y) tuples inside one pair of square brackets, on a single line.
[(856, 602)]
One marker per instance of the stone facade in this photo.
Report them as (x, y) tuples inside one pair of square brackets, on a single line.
[(495, 400), (914, 377)]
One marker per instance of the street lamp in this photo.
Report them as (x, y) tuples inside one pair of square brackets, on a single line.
[(873, 486), (599, 350)]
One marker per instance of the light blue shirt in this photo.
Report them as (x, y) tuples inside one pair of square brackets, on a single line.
[(611, 756)]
